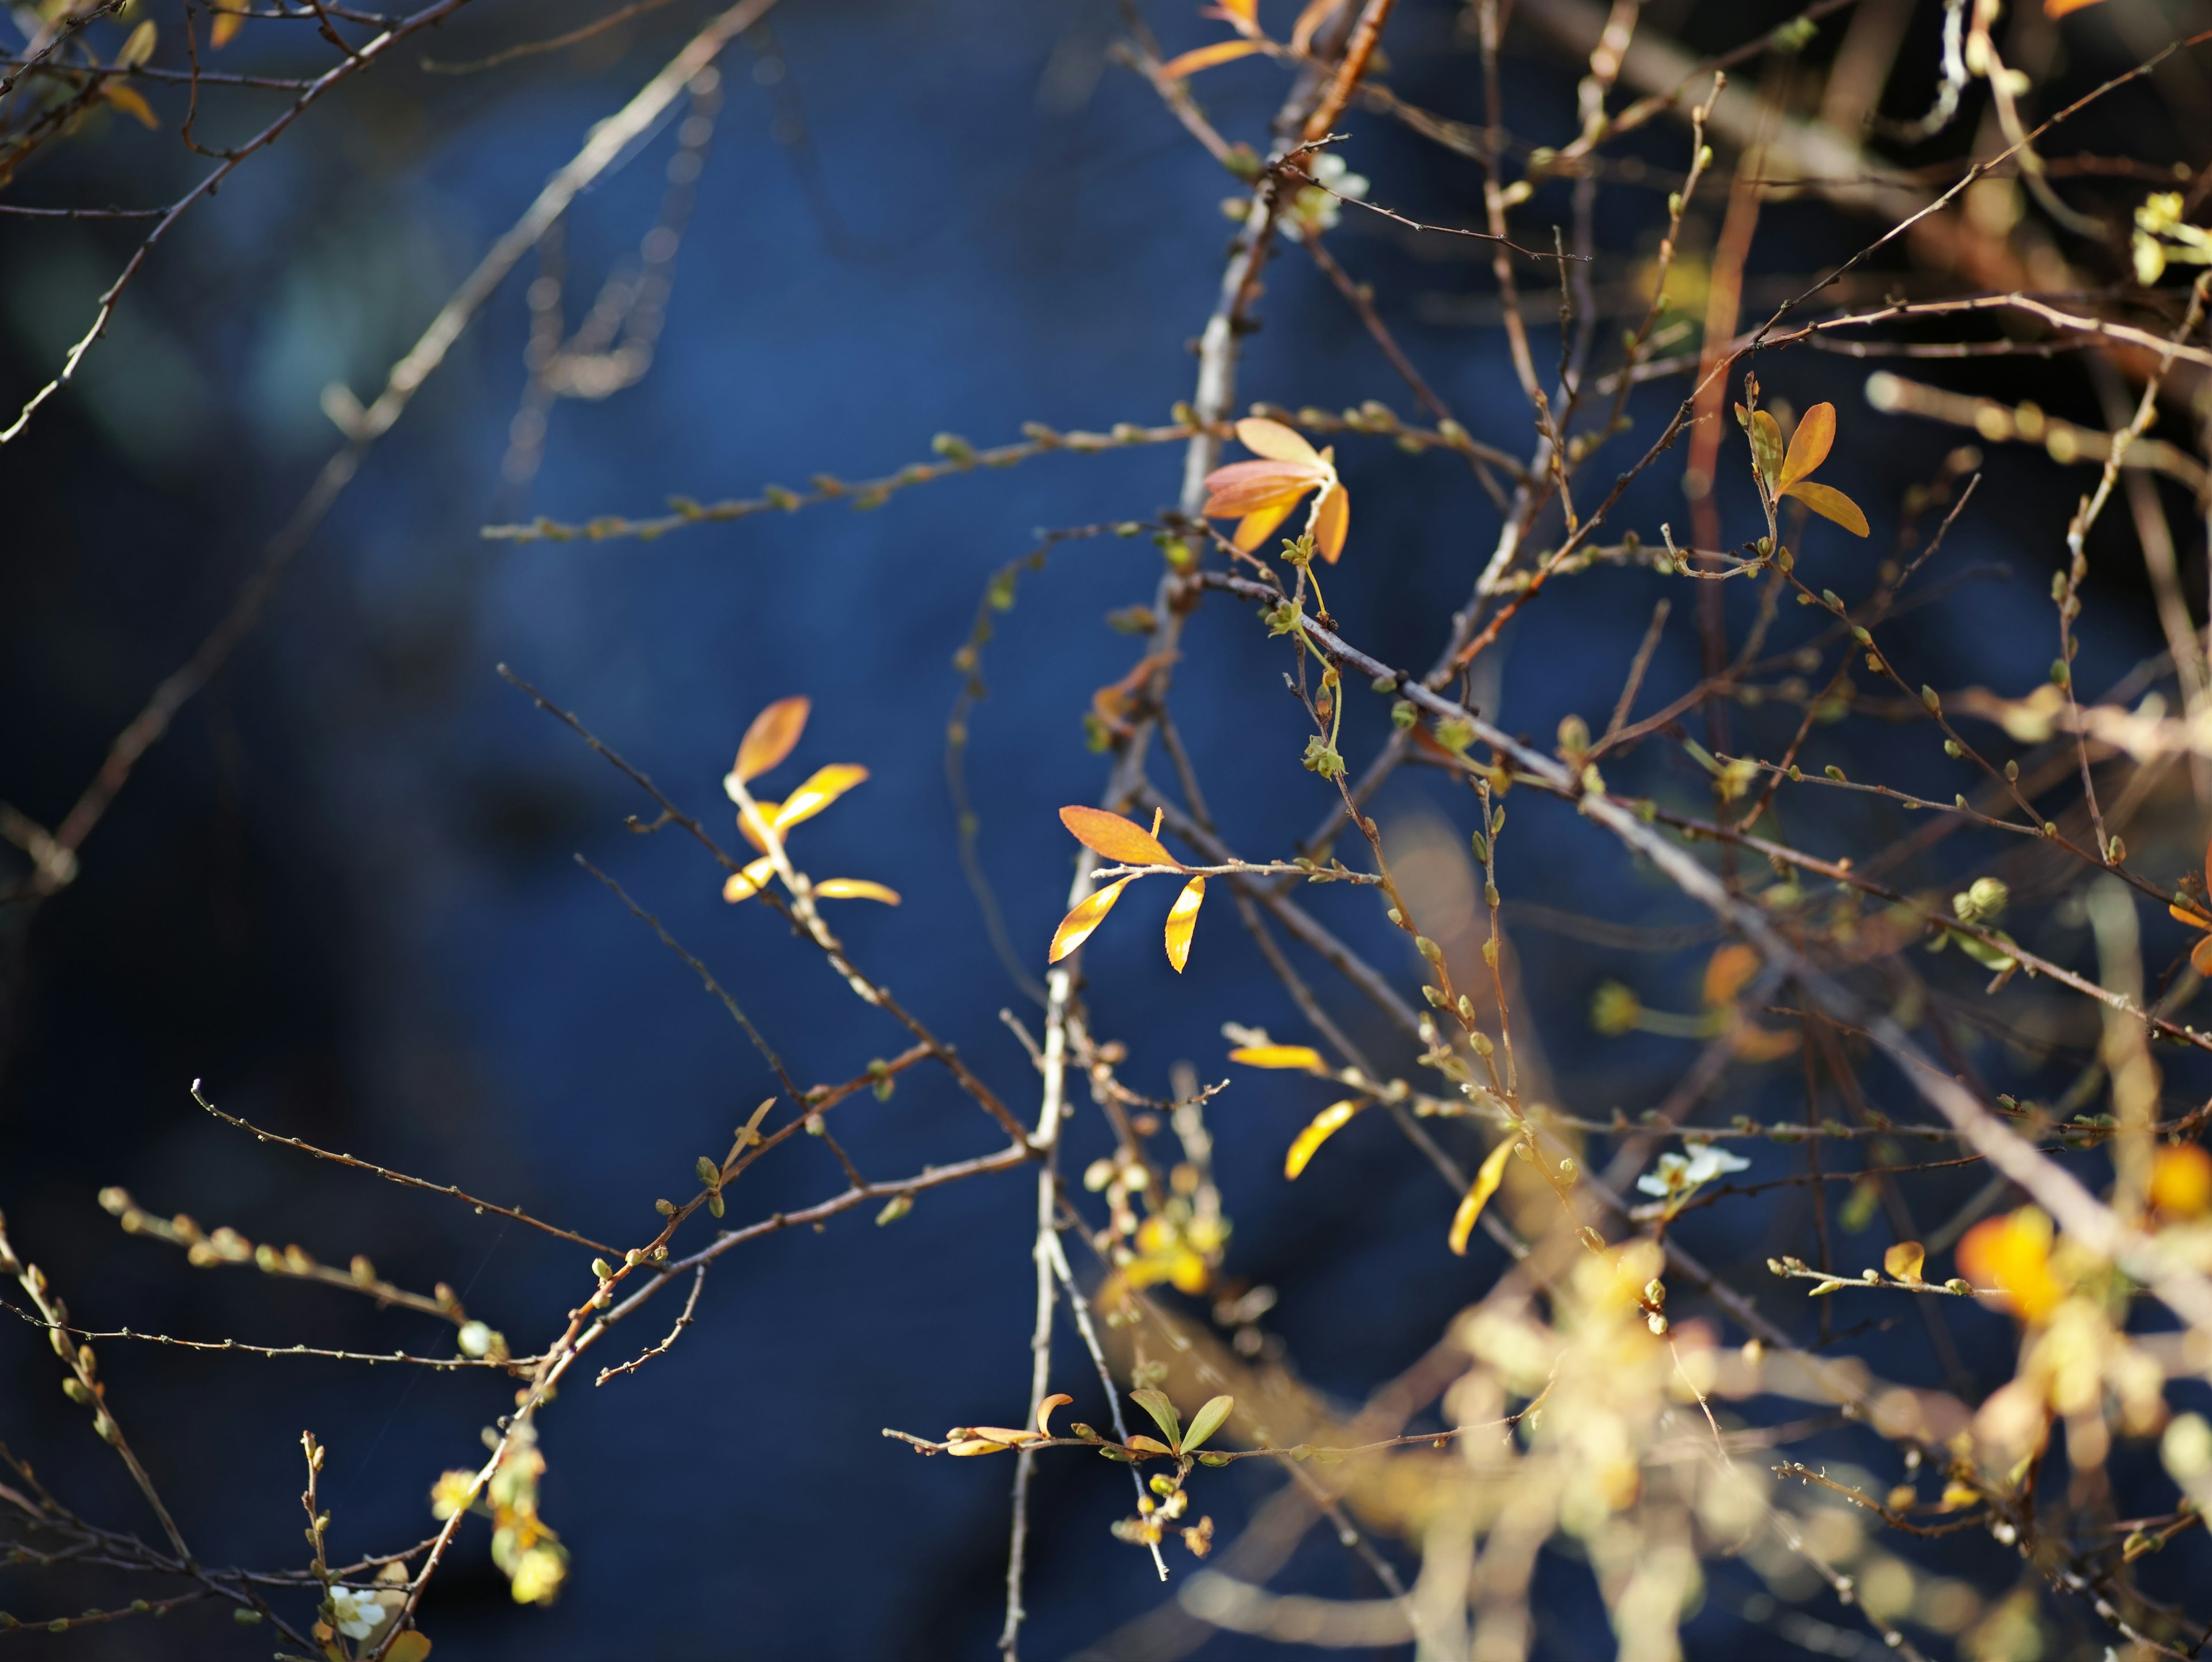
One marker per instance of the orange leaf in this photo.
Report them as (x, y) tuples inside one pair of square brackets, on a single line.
[(1829, 503), (772, 736), (1727, 971), (1123, 841), (2200, 956), (1204, 58), (1325, 1125), (127, 99), (1241, 11), (1182, 919), (227, 23), (1279, 1055), (2060, 8), (1809, 444), (744, 885), (1906, 1260), (1242, 487), (1058, 1399), (412, 1646), (2012, 1254), (1276, 442), (1078, 926), (1486, 1185), (1255, 527), (1332, 521), (2184, 915), (855, 888)]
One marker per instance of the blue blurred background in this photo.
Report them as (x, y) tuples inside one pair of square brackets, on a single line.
[(342, 892)]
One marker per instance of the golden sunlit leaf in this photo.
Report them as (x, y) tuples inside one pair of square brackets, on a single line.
[(410, 1645), (227, 24), (967, 1447), (1756, 1043), (2200, 957), (1728, 969), (1809, 444), (1058, 1399), (855, 888), (1206, 1422), (1829, 503), (1123, 841), (1005, 1436), (1182, 919), (1204, 58), (1275, 442), (1240, 11), (1766, 446), (1486, 1185), (1256, 527), (1316, 12), (1076, 928), (1325, 1125), (139, 47), (1279, 1055), (773, 735), (822, 787), (744, 885), (1905, 1261), (2060, 8), (127, 99), (1148, 1445), (2013, 1253), (2195, 920), (1332, 522)]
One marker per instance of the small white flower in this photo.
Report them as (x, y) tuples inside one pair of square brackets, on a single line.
[(1677, 1174), (356, 1615)]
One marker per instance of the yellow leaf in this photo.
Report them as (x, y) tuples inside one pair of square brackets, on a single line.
[(1204, 58), (1755, 1043), (127, 99), (1076, 927), (744, 885), (1279, 1055), (1149, 1445), (822, 787), (1123, 841), (2060, 8), (1766, 446), (1254, 528), (1245, 11), (1829, 503), (139, 47), (969, 1447), (412, 1646), (1275, 442), (1182, 919), (1058, 1399), (1486, 1185), (772, 737), (1332, 522), (1904, 1260), (1809, 444), (2200, 956), (226, 25), (855, 888), (1326, 1125)]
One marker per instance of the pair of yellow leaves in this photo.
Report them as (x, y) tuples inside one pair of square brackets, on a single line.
[(1243, 16), (968, 1441), (773, 734), (1788, 475), (1126, 843), (1333, 1119), (1260, 494)]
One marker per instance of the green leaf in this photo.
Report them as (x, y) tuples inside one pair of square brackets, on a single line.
[(1766, 446), (1207, 1420), (1829, 503), (1156, 1404)]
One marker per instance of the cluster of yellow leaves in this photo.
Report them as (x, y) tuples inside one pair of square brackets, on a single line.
[(1243, 16), (526, 1551), (1260, 494), (1791, 475), (773, 734), (1126, 843)]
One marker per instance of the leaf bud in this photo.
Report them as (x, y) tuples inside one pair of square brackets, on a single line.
[(709, 1173), (1952, 749), (1466, 1008), (896, 1207), (1428, 949), (1479, 1042), (1403, 716), (1397, 918), (1928, 697), (2012, 771), (1835, 773), (246, 1618), (602, 1268), (666, 1208), (78, 1392)]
